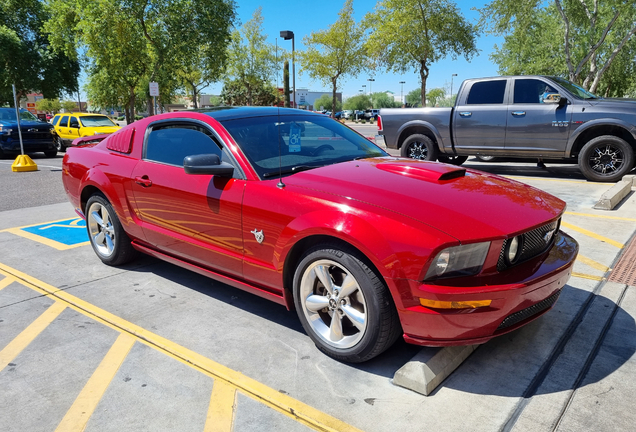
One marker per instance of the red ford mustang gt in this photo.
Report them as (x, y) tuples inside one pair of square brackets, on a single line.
[(297, 208)]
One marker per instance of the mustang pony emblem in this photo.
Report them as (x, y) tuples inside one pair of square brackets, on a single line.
[(548, 236), (258, 235)]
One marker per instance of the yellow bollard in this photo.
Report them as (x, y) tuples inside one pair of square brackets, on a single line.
[(23, 163)]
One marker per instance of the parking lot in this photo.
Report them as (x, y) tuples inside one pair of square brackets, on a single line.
[(151, 346)]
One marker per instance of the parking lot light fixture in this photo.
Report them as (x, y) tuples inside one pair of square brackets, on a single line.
[(287, 35), (451, 93), (402, 91)]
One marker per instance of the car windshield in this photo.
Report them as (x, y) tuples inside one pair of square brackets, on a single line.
[(96, 121), (292, 143), (575, 89), (9, 114)]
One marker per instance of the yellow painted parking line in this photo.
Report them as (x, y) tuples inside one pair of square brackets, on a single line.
[(282, 403), (600, 216), (52, 243), (20, 342), (593, 235), (222, 407), (590, 262), (587, 276), (80, 412), (8, 280)]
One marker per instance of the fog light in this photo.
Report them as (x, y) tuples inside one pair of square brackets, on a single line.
[(513, 249), (436, 304)]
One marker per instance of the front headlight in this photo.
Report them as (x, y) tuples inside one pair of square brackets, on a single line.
[(463, 260)]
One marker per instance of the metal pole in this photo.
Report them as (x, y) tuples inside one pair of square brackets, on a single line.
[(17, 113), (294, 72)]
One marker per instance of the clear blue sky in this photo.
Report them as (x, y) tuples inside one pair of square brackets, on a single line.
[(304, 17)]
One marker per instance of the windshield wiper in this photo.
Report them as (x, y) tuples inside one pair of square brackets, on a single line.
[(291, 170)]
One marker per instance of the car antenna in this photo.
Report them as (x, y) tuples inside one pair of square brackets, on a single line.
[(280, 184)]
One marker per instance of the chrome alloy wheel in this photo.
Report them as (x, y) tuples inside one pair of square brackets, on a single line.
[(101, 230), (333, 304), (606, 159), (418, 150)]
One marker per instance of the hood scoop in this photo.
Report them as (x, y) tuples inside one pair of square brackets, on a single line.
[(430, 171)]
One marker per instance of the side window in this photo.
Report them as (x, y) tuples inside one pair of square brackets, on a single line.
[(74, 123), (531, 91), (170, 144), (64, 121), (487, 92), (55, 119)]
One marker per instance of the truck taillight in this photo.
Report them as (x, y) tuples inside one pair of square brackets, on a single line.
[(379, 123)]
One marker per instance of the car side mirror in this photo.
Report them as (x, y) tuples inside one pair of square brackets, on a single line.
[(209, 164)]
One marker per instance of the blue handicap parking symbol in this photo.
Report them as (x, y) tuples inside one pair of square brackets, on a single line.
[(68, 232)]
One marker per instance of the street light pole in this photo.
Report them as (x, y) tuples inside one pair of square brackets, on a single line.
[(370, 81), (287, 35), (451, 95), (402, 91)]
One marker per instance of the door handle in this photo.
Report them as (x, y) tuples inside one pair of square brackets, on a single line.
[(518, 113), (143, 180), (465, 114)]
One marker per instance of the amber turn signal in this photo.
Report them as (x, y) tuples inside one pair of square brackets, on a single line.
[(435, 304)]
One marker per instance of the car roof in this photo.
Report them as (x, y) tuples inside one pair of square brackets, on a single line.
[(230, 113)]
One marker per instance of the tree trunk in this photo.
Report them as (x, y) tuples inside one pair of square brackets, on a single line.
[(151, 106), (194, 96), (423, 78), (333, 99), (130, 113)]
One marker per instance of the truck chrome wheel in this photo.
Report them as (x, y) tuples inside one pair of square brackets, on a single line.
[(333, 304), (606, 158), (101, 230), (419, 147)]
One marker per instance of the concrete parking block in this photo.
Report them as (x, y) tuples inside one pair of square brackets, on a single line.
[(614, 195), (424, 372)]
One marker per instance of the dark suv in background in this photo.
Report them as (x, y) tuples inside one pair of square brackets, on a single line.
[(37, 135)]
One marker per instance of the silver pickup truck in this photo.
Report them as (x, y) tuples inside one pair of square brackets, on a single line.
[(520, 116)]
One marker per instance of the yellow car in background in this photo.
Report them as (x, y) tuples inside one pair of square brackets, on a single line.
[(69, 126)]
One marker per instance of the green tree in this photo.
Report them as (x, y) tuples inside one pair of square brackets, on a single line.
[(258, 93), (414, 97), (581, 40), (26, 58), (69, 106), (286, 90), (336, 52), (129, 43), (414, 34), (359, 102), (251, 62), (435, 96), (327, 102), (383, 100), (48, 105)]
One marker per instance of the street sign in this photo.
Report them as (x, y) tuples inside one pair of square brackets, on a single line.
[(154, 89)]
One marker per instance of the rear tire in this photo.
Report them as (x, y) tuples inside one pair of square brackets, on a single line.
[(343, 305), (419, 147), (108, 238), (606, 159), (483, 158)]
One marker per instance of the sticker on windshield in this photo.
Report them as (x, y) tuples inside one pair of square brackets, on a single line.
[(294, 139)]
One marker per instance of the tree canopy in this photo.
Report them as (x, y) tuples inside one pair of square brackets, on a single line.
[(414, 34), (26, 58), (336, 52), (591, 43)]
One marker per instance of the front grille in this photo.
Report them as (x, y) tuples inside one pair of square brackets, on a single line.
[(529, 312), (533, 244)]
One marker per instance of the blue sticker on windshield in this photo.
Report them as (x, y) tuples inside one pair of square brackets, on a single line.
[(294, 139)]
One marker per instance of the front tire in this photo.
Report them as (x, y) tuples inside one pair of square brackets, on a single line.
[(419, 147), (59, 144), (606, 159), (343, 305), (108, 239)]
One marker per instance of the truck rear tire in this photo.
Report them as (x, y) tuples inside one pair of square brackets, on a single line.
[(606, 159), (419, 147), (453, 160)]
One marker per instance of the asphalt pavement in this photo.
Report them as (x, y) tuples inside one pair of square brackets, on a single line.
[(150, 346)]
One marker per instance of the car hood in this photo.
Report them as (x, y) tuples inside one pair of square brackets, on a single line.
[(27, 124), (466, 204), (614, 102)]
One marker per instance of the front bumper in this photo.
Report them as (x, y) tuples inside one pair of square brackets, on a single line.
[(513, 304)]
